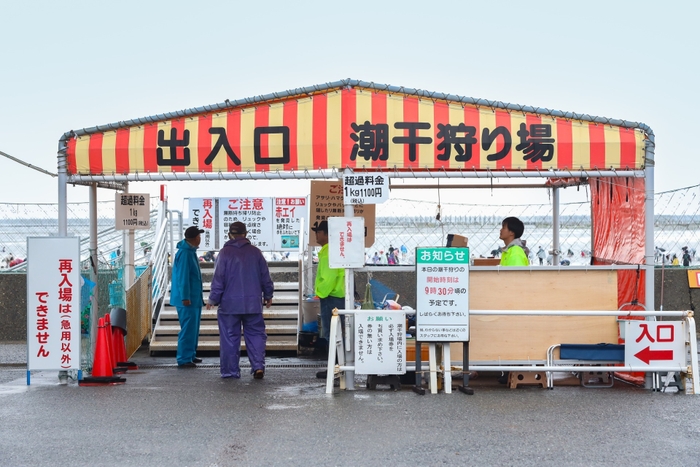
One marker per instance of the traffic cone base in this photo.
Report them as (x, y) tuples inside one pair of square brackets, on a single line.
[(101, 381), (102, 373)]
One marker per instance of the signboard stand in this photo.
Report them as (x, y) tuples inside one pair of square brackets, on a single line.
[(442, 276)]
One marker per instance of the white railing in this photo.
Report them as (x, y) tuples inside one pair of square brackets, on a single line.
[(160, 261)]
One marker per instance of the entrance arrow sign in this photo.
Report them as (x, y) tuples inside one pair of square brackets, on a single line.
[(647, 355)]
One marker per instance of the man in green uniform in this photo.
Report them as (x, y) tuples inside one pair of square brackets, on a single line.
[(512, 229)]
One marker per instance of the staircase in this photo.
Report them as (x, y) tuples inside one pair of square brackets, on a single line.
[(280, 319)]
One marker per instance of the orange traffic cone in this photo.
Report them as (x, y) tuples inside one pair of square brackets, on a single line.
[(120, 350), (112, 354), (102, 365)]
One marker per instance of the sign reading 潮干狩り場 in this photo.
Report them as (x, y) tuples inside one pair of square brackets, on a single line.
[(442, 294)]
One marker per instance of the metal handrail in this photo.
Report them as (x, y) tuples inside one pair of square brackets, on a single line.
[(159, 259)]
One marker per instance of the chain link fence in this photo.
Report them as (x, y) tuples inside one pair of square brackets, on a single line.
[(401, 224)]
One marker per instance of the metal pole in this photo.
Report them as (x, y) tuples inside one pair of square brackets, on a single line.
[(649, 235), (349, 305), (649, 224), (94, 271), (555, 227), (62, 189)]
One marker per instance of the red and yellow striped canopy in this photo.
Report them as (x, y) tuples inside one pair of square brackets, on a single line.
[(359, 128)]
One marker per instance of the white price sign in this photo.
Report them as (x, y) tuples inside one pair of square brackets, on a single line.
[(132, 211), (366, 188), (442, 294)]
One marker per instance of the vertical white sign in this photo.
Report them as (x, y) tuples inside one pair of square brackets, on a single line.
[(346, 242), (53, 303), (380, 344), (442, 294), (202, 215), (255, 212), (287, 223)]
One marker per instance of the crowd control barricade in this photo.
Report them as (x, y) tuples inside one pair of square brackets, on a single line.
[(652, 347)]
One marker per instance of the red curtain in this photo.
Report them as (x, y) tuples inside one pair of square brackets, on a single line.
[(617, 213)]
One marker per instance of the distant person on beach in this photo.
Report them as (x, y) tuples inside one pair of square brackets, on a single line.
[(686, 256), (376, 259), (674, 261), (541, 255)]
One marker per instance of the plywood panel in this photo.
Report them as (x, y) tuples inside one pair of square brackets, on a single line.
[(496, 338)]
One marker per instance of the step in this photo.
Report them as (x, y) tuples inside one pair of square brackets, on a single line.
[(278, 286), (213, 345), (170, 314), (213, 329), (283, 297)]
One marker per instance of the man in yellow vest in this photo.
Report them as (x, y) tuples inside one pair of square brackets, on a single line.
[(512, 229), (329, 285)]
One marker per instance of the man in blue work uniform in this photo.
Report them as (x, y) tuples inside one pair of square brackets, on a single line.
[(186, 296), (240, 286)]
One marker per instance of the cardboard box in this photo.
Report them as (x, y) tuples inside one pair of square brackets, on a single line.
[(487, 261), (454, 240), (411, 351)]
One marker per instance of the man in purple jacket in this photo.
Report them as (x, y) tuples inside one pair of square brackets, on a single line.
[(240, 286)]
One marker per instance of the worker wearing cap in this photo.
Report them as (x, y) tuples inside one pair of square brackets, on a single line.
[(186, 296), (329, 285), (240, 286)]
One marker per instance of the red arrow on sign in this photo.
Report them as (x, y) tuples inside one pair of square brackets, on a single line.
[(647, 355)]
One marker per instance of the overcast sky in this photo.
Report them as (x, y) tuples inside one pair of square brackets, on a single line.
[(69, 65)]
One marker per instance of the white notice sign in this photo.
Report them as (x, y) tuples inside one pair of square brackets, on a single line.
[(655, 343), (346, 242), (132, 211), (202, 214), (380, 346), (365, 188), (53, 303), (442, 294)]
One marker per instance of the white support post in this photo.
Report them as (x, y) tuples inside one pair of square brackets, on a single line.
[(447, 368), (432, 361), (555, 227), (693, 351), (350, 305), (335, 347)]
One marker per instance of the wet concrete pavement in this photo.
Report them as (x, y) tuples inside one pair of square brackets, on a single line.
[(169, 416)]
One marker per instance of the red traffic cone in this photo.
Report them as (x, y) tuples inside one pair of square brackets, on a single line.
[(102, 364), (112, 354), (120, 350)]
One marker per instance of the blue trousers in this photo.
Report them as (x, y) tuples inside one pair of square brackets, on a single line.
[(188, 338), (230, 342)]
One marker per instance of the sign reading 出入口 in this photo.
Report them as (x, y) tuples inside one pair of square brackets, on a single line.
[(442, 294)]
